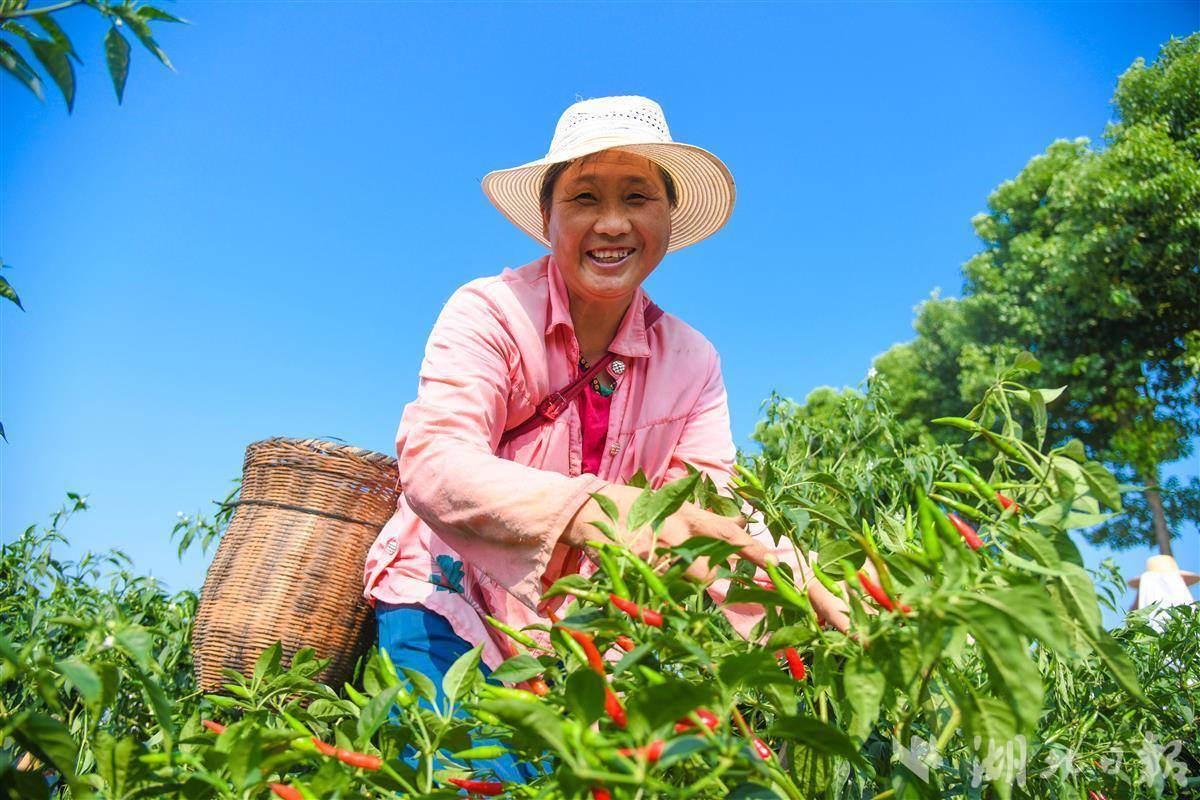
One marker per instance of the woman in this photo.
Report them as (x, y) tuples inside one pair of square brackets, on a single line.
[(487, 521)]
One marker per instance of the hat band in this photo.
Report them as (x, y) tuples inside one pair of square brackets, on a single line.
[(591, 141)]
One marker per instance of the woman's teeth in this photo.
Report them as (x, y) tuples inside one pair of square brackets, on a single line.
[(610, 256)]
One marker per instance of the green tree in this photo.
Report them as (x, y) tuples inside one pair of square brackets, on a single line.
[(1090, 261), (52, 49)]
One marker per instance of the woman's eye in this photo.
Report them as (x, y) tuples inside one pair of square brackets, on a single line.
[(587, 195)]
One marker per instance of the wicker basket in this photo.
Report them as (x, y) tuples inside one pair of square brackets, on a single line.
[(290, 566)]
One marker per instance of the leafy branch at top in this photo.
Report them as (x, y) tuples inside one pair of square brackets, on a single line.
[(54, 51)]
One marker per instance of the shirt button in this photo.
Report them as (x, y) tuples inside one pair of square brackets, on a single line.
[(390, 547), (616, 448)]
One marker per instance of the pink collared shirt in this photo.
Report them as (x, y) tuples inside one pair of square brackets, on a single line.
[(477, 525)]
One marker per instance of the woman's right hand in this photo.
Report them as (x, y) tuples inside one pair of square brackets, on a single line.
[(689, 521)]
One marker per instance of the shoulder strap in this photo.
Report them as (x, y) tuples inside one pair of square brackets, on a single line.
[(556, 402)]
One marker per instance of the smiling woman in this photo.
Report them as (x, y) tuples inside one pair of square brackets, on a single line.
[(552, 384)]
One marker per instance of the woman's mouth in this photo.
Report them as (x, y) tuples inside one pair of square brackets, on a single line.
[(610, 257)]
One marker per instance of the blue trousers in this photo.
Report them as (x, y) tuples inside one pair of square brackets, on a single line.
[(423, 640)]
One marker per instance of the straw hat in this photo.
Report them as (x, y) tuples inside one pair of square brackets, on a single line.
[(636, 125), (1165, 564)]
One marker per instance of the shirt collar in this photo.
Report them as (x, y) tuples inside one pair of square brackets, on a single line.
[(630, 341)]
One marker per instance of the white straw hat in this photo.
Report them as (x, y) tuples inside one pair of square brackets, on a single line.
[(1168, 565), (634, 124)]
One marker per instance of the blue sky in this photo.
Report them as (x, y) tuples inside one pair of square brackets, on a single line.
[(257, 244)]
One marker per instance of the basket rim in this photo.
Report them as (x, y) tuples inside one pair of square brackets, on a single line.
[(324, 447)]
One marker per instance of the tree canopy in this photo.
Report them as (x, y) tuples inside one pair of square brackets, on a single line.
[(1090, 262)]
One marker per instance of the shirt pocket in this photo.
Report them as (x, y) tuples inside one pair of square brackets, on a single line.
[(649, 448)]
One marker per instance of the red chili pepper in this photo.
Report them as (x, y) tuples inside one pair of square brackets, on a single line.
[(589, 648), (538, 687), (646, 615), (876, 592), (325, 747), (760, 747), (1094, 795), (361, 760), (651, 752), (600, 793), (795, 663), (625, 643), (285, 791), (628, 606), (488, 788), (215, 727), (966, 531), (707, 717), (1008, 502), (612, 705)]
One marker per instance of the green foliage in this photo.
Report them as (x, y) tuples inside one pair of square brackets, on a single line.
[(1090, 261), (993, 657), (54, 51)]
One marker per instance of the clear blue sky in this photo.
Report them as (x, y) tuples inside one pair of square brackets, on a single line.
[(258, 244)]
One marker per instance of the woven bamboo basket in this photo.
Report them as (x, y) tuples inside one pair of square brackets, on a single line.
[(290, 565)]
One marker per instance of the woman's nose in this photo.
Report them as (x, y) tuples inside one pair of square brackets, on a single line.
[(612, 221)]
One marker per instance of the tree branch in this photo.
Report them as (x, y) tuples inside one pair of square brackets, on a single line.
[(33, 12)]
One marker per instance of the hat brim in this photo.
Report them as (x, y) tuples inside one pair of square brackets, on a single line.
[(1189, 579), (704, 185)]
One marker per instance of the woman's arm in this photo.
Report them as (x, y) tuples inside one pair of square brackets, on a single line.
[(504, 518)]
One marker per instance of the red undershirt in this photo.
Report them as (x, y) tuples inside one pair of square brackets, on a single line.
[(593, 413)]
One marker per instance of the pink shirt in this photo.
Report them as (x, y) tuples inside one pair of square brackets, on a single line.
[(477, 524)]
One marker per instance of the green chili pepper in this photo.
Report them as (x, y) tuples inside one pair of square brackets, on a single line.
[(929, 538), (295, 724), (388, 665), (785, 588), (870, 537), (748, 476), (650, 675), (505, 693), (651, 578), (959, 422), (919, 561), (357, 697), (483, 751), (1005, 446), (961, 508), (614, 574), (572, 645), (520, 637), (486, 716), (964, 488), (985, 489), (827, 581)]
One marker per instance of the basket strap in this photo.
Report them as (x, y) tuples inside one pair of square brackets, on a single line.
[(556, 402)]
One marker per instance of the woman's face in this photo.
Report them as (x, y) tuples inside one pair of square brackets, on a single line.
[(609, 224)]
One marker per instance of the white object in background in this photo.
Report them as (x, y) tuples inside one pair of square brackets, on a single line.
[(1165, 584)]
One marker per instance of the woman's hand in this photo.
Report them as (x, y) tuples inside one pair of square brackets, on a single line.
[(689, 521)]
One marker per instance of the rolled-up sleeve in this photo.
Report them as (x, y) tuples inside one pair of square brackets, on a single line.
[(502, 517), (707, 444)]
